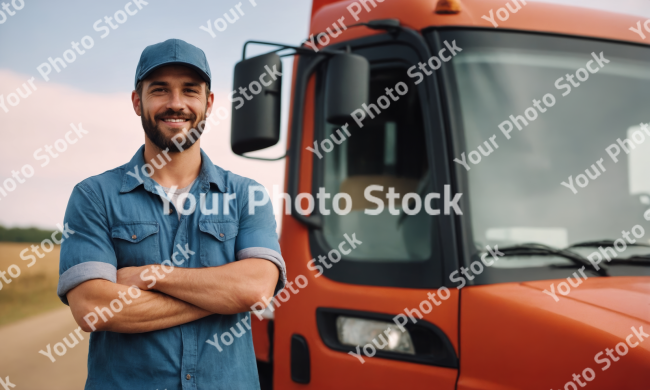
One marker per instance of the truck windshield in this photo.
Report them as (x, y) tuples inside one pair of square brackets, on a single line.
[(552, 141)]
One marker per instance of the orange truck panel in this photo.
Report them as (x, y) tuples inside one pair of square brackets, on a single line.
[(513, 337)]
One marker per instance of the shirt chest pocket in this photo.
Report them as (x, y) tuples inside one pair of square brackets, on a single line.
[(217, 242), (136, 243)]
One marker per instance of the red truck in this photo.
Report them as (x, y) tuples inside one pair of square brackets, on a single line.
[(515, 253)]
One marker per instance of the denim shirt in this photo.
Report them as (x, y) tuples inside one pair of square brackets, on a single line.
[(118, 221)]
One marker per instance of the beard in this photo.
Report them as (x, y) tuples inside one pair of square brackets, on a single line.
[(175, 142)]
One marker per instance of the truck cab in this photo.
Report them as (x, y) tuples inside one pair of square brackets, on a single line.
[(494, 231)]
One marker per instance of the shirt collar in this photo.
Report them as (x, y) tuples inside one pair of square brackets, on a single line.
[(133, 175)]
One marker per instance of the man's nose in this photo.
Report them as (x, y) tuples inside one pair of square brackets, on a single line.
[(176, 101)]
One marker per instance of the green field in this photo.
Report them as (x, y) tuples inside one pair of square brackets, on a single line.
[(26, 235), (34, 290)]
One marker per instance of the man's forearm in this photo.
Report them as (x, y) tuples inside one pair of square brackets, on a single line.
[(148, 312), (227, 289)]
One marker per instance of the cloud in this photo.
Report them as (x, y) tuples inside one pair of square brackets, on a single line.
[(114, 135)]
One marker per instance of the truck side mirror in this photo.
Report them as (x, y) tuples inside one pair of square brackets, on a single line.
[(347, 86), (256, 112)]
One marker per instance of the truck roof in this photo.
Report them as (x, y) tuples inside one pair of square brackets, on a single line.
[(534, 16)]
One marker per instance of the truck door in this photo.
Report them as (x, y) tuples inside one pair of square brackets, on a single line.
[(374, 308)]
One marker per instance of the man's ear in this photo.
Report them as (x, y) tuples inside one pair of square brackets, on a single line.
[(209, 104), (136, 100)]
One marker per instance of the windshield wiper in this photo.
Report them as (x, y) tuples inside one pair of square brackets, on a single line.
[(534, 249), (597, 243), (633, 260)]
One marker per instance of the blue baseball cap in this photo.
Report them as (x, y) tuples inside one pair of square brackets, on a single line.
[(170, 52)]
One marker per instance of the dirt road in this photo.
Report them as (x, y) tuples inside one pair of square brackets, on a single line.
[(30, 370)]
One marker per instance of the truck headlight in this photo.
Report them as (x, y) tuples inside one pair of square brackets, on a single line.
[(386, 335)]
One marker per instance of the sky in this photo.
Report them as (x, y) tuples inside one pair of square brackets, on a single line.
[(94, 90)]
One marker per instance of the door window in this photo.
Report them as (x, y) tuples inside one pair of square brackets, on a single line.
[(388, 150)]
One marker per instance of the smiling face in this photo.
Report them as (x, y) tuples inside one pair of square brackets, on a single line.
[(171, 101)]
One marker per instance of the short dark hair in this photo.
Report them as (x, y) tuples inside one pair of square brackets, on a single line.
[(138, 90)]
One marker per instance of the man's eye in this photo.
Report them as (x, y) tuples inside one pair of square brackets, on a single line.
[(191, 91), (158, 90)]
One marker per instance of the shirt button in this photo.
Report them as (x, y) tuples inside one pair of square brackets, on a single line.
[(220, 234), (188, 377), (133, 237)]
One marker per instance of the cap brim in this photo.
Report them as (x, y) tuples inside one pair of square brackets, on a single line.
[(201, 73)]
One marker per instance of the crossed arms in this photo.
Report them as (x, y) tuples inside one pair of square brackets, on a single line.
[(179, 297)]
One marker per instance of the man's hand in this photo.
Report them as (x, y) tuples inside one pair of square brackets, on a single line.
[(143, 277), (147, 312), (226, 289)]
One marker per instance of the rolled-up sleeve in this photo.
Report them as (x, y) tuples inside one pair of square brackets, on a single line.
[(257, 236), (87, 252)]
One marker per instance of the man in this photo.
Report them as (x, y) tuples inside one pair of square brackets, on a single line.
[(156, 281)]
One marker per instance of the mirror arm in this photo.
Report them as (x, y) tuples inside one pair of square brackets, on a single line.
[(298, 49), (312, 221), (390, 25)]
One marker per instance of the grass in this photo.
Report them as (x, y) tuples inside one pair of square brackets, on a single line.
[(34, 290), (24, 234)]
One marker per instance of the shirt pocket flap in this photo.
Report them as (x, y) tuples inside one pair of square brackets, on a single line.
[(134, 232), (222, 231)]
